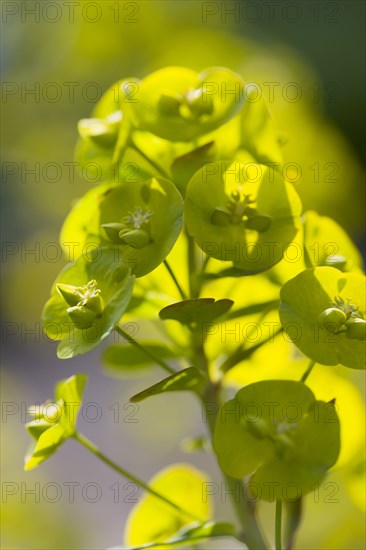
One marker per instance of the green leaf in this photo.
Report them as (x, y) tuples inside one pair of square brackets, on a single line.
[(193, 535), (124, 359), (152, 206), (233, 272), (252, 309), (187, 379), (303, 301), (199, 310), (115, 283), (276, 430), (153, 520), (243, 191)]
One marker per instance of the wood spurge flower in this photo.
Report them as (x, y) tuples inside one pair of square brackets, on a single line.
[(184, 249)]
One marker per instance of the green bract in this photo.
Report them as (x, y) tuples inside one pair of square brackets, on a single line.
[(257, 131), (307, 312), (327, 244), (105, 137), (54, 422), (178, 104), (87, 300), (277, 431), (244, 213), (143, 218), (153, 521)]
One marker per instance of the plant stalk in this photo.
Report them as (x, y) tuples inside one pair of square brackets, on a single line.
[(278, 525), (194, 286), (146, 351), (244, 508), (152, 163), (176, 282), (308, 371), (97, 452)]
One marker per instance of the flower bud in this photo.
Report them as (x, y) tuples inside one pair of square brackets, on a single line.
[(52, 412), (71, 294), (81, 316), (199, 103), (283, 443), (103, 133), (250, 211), (220, 216), (112, 231), (259, 427), (94, 303), (258, 222), (169, 104), (138, 238), (332, 318), (336, 260), (356, 329)]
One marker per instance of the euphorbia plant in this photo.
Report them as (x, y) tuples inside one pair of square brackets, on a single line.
[(190, 226)]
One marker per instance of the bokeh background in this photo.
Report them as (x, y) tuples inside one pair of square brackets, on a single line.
[(308, 58)]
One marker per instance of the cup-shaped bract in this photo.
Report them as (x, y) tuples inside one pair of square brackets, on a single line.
[(54, 422), (153, 520), (103, 285), (327, 244), (144, 219), (277, 431), (323, 312), (105, 137), (178, 104), (242, 212)]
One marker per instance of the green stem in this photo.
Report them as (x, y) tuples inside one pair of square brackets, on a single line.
[(243, 507), (308, 371), (194, 286), (278, 525), (97, 452), (176, 282), (146, 351), (293, 520), (241, 353), (158, 168), (205, 262)]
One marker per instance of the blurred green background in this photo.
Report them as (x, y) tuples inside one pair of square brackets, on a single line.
[(308, 59)]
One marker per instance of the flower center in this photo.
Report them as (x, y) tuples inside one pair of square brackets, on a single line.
[(85, 303), (348, 308), (138, 217), (134, 229), (344, 317), (190, 105), (88, 293), (240, 209)]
